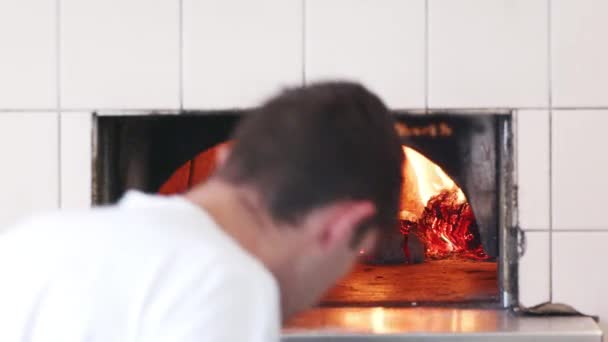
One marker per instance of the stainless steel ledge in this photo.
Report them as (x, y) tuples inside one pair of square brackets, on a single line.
[(436, 324)]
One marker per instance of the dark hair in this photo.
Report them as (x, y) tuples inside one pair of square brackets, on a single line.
[(311, 146)]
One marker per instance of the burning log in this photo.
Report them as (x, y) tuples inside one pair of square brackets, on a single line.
[(447, 227)]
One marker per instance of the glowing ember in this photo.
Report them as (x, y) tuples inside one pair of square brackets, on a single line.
[(446, 228), (436, 210)]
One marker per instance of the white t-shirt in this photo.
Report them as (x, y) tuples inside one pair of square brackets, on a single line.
[(149, 269)]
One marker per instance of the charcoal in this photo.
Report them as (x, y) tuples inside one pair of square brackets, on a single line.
[(446, 228)]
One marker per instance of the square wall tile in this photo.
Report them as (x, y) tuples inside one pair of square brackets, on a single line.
[(580, 169), (533, 164), (534, 270), (579, 275), (490, 53), (76, 160), (239, 52), (28, 61), (579, 31), (380, 45), (119, 54), (29, 176)]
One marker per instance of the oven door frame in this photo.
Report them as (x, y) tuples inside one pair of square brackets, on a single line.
[(510, 236)]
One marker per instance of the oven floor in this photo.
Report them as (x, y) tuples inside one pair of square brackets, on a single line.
[(446, 281)]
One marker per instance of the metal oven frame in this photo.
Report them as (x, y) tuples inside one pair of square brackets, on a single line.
[(106, 185)]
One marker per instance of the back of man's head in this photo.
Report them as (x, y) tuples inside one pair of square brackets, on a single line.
[(312, 146)]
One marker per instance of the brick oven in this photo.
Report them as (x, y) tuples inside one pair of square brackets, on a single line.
[(458, 242)]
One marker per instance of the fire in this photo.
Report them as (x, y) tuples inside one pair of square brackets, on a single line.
[(436, 219), (435, 212), (427, 176)]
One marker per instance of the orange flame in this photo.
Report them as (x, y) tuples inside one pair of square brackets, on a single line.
[(436, 210), (424, 179)]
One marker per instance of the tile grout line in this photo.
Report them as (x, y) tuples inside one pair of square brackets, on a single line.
[(550, 103), (426, 56), (303, 37), (58, 103), (181, 54), (576, 230), (516, 164), (59, 162), (177, 109), (567, 230)]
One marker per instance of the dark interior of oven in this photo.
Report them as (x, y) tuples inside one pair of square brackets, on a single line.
[(148, 152)]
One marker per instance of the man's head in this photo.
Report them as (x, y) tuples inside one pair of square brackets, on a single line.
[(325, 162)]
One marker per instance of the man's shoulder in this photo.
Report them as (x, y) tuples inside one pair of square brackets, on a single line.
[(241, 266), (233, 266), (208, 290)]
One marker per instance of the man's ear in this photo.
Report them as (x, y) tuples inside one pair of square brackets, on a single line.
[(341, 221), (223, 151)]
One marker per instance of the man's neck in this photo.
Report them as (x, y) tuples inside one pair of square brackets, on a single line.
[(233, 212), (238, 213)]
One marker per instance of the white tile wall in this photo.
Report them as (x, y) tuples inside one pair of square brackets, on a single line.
[(579, 276), (29, 150), (490, 53), (238, 52), (381, 45), (28, 54), (534, 270), (119, 54), (533, 169), (125, 54), (76, 160), (580, 169), (579, 53)]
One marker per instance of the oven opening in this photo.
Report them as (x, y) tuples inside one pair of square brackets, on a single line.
[(455, 244), (442, 259)]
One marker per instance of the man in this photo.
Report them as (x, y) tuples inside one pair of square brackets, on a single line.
[(314, 175)]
